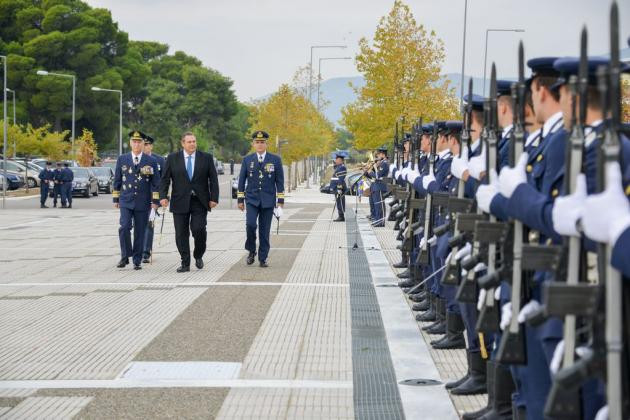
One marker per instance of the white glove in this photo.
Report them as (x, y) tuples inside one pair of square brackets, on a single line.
[(556, 359), (486, 192), (392, 167), (412, 176), (423, 241), (477, 165), (277, 212), (405, 172), (479, 267), (458, 167), (605, 216), (152, 215), (432, 240), (427, 179), (506, 315), (448, 257), (481, 299), (463, 252), (602, 413), (510, 178), (497, 293), (419, 231), (567, 210), (529, 308)]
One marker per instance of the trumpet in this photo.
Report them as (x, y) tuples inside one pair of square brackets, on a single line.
[(371, 163)]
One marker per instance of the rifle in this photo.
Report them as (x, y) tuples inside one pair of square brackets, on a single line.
[(563, 402), (423, 254), (459, 204), (512, 346)]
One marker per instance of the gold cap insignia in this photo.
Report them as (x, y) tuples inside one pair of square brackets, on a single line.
[(259, 135)]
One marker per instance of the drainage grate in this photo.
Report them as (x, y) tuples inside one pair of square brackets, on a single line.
[(420, 382), (375, 390)]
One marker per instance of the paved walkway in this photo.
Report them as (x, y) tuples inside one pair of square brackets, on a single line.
[(318, 334)]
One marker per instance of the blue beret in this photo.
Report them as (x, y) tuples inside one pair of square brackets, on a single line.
[(542, 66), (427, 128), (504, 87), (454, 126), (260, 135), (477, 101), (339, 155)]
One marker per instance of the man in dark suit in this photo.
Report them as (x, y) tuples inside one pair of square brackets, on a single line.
[(136, 182), (195, 191), (261, 187)]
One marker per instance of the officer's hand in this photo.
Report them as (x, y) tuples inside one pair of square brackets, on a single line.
[(154, 206), (511, 178), (164, 202), (567, 210), (485, 193), (212, 204), (458, 167), (280, 205), (241, 206), (116, 205)]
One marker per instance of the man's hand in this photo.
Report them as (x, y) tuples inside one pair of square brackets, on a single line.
[(164, 202), (241, 206), (154, 206), (212, 204), (116, 205), (280, 204)]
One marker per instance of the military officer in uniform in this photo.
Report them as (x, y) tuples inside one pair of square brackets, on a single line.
[(67, 176), (261, 190), (136, 183), (378, 187), (338, 187), (57, 175), (45, 176), (148, 236)]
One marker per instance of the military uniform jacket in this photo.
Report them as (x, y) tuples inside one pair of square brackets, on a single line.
[(261, 184), (46, 175), (338, 179), (161, 163), (67, 175), (58, 176), (136, 186), (378, 174)]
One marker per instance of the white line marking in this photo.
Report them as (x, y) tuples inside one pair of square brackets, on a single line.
[(187, 284)]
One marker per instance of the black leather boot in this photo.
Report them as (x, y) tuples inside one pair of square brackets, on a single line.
[(431, 314), (454, 338), (401, 264), (458, 382), (490, 385), (404, 275), (502, 389), (476, 383), (417, 297), (421, 307)]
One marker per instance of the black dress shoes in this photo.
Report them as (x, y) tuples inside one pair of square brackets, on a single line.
[(183, 269), (250, 258), (264, 264), (146, 259), (401, 264), (122, 263), (340, 219), (137, 267), (199, 263)]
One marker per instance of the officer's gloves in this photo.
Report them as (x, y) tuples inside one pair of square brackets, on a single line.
[(392, 168), (413, 175), (459, 166), (506, 315), (427, 179), (486, 192), (558, 355), (567, 210), (463, 252), (511, 178), (277, 212), (432, 240), (530, 308), (607, 215), (477, 165)]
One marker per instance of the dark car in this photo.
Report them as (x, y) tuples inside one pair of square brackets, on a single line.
[(84, 183), (14, 183), (105, 177)]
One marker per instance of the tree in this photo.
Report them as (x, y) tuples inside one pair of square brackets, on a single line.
[(40, 141), (86, 149), (402, 74), (288, 116)]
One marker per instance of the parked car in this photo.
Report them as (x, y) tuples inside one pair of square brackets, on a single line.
[(234, 187), (110, 163), (20, 169), (85, 183), (105, 177), (220, 168), (15, 181)]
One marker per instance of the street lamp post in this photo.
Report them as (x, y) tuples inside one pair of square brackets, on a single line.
[(461, 93), (98, 89), (485, 54), (4, 124), (14, 143), (319, 71), (310, 66), (74, 91)]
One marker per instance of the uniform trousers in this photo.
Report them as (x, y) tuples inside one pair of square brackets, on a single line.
[(43, 192), (261, 217), (136, 219)]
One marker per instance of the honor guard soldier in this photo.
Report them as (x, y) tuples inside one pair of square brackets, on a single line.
[(338, 187), (45, 176), (148, 236), (136, 183), (378, 187), (67, 176), (260, 188)]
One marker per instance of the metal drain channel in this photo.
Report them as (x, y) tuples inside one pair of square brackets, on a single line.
[(376, 393)]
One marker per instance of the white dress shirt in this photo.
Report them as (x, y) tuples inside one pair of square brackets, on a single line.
[(261, 158), (133, 158)]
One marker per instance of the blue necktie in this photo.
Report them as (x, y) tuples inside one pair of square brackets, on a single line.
[(189, 167)]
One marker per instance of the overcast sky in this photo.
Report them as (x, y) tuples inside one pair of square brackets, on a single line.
[(259, 44)]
